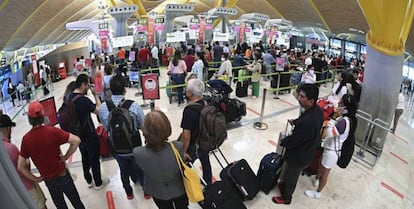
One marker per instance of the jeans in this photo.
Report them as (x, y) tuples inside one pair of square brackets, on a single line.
[(179, 79), (180, 202), (290, 175), (205, 162), (64, 185), (129, 168), (90, 150)]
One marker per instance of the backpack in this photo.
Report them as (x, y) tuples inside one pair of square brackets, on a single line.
[(122, 133), (348, 147), (212, 129), (67, 118)]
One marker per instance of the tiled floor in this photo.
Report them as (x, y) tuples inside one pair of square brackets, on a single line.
[(387, 185)]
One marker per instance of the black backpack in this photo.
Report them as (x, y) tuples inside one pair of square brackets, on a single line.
[(212, 129), (122, 133), (67, 118)]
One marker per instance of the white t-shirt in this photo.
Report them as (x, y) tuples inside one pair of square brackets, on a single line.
[(335, 98), (400, 104)]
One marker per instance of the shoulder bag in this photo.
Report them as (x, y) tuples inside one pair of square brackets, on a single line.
[(191, 179)]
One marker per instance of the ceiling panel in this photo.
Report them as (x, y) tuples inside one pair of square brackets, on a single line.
[(13, 15)]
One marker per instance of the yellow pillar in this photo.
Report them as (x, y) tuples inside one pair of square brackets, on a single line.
[(389, 22)]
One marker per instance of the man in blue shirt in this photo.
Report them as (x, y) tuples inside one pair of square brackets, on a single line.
[(126, 162)]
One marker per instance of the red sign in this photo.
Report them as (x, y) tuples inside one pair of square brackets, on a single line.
[(49, 108), (151, 30), (241, 34), (104, 44), (35, 70), (150, 86), (201, 31)]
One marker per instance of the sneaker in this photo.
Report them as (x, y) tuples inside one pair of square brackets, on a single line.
[(315, 181), (105, 182), (130, 197), (280, 200), (147, 196), (313, 194), (90, 185)]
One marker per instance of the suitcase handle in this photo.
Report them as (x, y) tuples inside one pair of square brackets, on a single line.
[(218, 160)]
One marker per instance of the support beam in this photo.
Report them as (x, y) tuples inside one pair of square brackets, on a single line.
[(3, 4), (274, 9), (24, 23), (219, 3), (230, 3), (111, 3), (141, 8), (132, 2), (320, 15)]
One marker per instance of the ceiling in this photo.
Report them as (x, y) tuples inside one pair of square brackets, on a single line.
[(42, 22)]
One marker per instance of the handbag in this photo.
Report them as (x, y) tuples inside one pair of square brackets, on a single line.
[(191, 179)]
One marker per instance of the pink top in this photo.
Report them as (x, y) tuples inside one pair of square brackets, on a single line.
[(179, 69), (14, 155)]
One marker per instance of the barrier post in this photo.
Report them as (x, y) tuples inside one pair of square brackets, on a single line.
[(152, 104), (261, 125), (278, 85)]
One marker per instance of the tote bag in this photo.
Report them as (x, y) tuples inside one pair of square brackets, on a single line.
[(191, 179)]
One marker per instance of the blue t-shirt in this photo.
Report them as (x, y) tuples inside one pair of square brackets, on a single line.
[(84, 107)]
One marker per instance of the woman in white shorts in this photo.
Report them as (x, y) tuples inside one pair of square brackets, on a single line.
[(335, 132)]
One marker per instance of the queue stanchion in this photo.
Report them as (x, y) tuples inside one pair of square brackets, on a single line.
[(278, 84), (261, 125)]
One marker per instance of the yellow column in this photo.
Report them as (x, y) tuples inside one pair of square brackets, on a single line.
[(141, 8), (389, 22)]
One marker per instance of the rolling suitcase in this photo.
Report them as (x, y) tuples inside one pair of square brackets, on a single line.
[(240, 176), (220, 195), (269, 171)]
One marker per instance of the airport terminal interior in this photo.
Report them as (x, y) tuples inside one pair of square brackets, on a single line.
[(81, 31)]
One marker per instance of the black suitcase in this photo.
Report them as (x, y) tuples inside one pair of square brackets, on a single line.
[(241, 89), (220, 195), (269, 171), (240, 176)]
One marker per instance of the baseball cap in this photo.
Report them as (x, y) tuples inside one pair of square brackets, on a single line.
[(35, 109), (5, 121)]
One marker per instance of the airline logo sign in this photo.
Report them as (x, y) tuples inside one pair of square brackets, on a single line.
[(103, 33)]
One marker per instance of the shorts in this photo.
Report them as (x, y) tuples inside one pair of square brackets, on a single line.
[(329, 158), (38, 195)]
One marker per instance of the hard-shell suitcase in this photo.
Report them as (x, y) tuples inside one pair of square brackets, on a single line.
[(103, 141), (241, 89), (240, 175)]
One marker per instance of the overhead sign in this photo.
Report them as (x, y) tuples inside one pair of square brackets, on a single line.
[(122, 41), (218, 36), (176, 37), (103, 26)]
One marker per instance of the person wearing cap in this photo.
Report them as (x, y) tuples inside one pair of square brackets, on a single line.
[(42, 145), (33, 187), (90, 145)]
